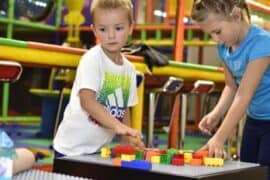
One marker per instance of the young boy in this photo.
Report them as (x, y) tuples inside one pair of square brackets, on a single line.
[(104, 87)]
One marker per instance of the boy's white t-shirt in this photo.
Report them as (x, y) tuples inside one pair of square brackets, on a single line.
[(116, 90)]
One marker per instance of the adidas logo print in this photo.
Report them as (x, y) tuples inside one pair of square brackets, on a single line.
[(115, 104)]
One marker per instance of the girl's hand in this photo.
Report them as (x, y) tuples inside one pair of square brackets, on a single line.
[(215, 148), (208, 123)]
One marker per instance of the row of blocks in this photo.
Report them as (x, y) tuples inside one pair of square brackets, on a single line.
[(126, 156)]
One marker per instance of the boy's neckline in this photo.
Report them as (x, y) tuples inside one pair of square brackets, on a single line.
[(117, 60)]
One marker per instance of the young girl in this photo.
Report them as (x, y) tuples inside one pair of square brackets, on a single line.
[(245, 52), (104, 87)]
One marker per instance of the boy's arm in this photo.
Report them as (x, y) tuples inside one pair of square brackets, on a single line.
[(130, 140), (126, 121), (98, 112)]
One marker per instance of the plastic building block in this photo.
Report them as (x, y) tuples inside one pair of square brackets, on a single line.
[(127, 157), (137, 164), (116, 161), (155, 159), (120, 149), (178, 162), (197, 156), (201, 153), (187, 157), (150, 154), (196, 162), (213, 161), (139, 155), (173, 151), (178, 156), (105, 152), (165, 159)]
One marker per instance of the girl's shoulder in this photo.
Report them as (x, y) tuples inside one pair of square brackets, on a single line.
[(258, 32)]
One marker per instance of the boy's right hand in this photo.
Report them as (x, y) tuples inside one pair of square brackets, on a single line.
[(136, 142), (208, 123), (122, 129)]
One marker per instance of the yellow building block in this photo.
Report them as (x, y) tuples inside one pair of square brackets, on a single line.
[(155, 159), (213, 161), (127, 157), (187, 157), (105, 152)]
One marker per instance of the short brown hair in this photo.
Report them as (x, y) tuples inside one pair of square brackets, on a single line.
[(202, 8), (112, 4)]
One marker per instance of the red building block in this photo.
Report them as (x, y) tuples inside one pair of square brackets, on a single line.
[(121, 149), (178, 162)]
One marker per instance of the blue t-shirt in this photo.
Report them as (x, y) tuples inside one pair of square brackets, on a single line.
[(255, 45)]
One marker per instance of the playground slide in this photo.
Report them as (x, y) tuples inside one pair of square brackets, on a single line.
[(47, 55), (35, 54)]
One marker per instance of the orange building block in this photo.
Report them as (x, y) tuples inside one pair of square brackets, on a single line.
[(149, 155), (196, 162), (203, 153), (116, 161)]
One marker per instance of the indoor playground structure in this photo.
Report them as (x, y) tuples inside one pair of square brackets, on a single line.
[(47, 39)]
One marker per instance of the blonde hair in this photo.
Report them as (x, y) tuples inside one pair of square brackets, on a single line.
[(112, 4), (202, 8)]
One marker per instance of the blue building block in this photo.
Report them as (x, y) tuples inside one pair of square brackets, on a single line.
[(137, 164)]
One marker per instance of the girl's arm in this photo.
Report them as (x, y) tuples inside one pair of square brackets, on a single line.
[(210, 121), (99, 113), (227, 95), (243, 96)]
